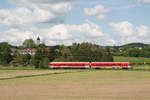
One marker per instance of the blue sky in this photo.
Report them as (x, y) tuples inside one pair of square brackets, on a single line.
[(104, 22)]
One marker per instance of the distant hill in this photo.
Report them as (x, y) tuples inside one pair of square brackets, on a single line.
[(131, 45), (135, 45)]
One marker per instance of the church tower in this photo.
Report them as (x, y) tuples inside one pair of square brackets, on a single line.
[(38, 40)]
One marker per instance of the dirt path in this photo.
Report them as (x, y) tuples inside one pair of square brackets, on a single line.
[(15, 73)]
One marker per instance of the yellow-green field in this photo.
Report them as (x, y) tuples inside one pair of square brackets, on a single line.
[(75, 85), (131, 59)]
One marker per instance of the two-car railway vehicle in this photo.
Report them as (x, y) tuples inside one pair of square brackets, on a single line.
[(87, 65)]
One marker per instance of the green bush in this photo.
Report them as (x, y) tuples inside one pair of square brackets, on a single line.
[(5, 53), (44, 63)]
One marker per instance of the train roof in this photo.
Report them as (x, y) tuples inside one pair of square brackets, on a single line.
[(110, 62), (89, 62), (69, 62)]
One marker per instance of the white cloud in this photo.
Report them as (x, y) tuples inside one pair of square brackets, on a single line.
[(110, 42), (55, 33), (24, 18), (124, 28), (126, 32), (89, 29), (19, 17), (68, 33), (52, 36), (143, 31), (41, 1), (15, 36), (98, 11), (56, 7), (144, 1), (33, 12), (60, 34)]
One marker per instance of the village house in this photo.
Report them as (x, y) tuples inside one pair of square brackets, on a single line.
[(30, 51)]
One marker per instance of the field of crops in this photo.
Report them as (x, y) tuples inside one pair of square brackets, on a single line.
[(75, 84), (131, 59)]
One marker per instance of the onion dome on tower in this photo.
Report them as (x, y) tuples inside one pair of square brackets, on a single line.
[(38, 40)]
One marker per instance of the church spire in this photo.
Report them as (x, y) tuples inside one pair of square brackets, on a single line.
[(38, 40)]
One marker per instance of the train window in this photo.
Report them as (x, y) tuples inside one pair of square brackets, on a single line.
[(103, 64), (76, 64), (119, 64), (113, 64), (125, 64), (55, 64), (100, 64), (64, 64), (107, 64), (97, 64), (51, 64)]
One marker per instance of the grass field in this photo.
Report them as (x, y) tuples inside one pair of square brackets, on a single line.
[(131, 59), (141, 68), (76, 85)]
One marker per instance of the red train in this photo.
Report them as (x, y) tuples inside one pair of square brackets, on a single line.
[(86, 65)]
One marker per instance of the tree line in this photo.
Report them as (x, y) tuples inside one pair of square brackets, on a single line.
[(84, 52), (87, 52), (135, 52), (77, 52)]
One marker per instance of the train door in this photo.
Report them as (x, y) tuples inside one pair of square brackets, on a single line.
[(130, 66), (87, 66), (52, 66)]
